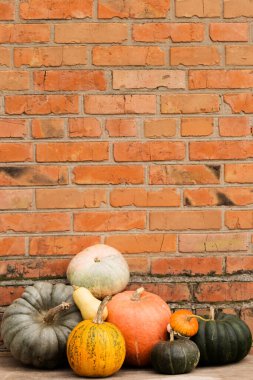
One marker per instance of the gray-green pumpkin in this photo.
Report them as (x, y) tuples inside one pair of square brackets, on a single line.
[(35, 327)]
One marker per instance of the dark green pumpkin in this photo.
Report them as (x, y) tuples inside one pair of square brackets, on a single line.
[(227, 339), (175, 356)]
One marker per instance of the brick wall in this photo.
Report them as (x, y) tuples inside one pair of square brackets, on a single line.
[(129, 122)]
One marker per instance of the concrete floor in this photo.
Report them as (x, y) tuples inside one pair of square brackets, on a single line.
[(12, 370)]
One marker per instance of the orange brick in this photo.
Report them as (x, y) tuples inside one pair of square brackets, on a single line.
[(69, 198), (24, 33), (138, 265), (240, 102), (239, 264), (239, 55), (188, 266), (15, 152), (121, 127), (143, 198), (33, 175), (224, 291), (160, 128), (66, 80), (234, 126), (189, 103), (225, 242), (7, 10), (60, 245), (176, 292), (231, 196), (13, 128), (143, 243), (50, 56), (184, 174), (194, 55), (72, 151), (196, 126), (221, 150), (12, 246), (220, 79), (10, 294), (128, 56), (239, 173), (237, 220), (229, 31), (55, 9), (150, 79), (41, 104), (5, 56), (84, 127), (47, 128), (185, 220), (16, 199), (90, 32), (108, 174), (35, 222), (149, 151), (233, 8), (14, 80), (199, 8), (109, 221), (119, 104), (133, 9)]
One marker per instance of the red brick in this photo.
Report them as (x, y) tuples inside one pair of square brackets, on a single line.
[(176, 292), (50, 56), (240, 102), (133, 9), (7, 10), (234, 126), (224, 291), (41, 104), (24, 33), (160, 128), (13, 128), (142, 198), (188, 266), (197, 126), (72, 151), (239, 55), (60, 245), (108, 174), (138, 265), (15, 152), (84, 127), (185, 220), (128, 56), (33, 175), (66, 80), (194, 55), (121, 127), (47, 128), (220, 79), (237, 220), (151, 79), (161, 32), (119, 104), (109, 221), (231, 196), (233, 8), (226, 242), (229, 31), (16, 199), (239, 264), (55, 9), (189, 103), (90, 32), (5, 56), (199, 8), (149, 151), (69, 198), (221, 150), (184, 174), (143, 243), (14, 80), (12, 246), (239, 173), (10, 294), (35, 222)]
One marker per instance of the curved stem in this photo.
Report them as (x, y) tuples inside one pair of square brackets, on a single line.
[(99, 316), (51, 313), (198, 317), (136, 296)]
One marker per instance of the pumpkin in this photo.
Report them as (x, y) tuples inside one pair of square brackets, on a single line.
[(175, 356), (87, 303), (36, 326), (99, 268), (96, 348), (225, 339), (184, 322), (142, 317)]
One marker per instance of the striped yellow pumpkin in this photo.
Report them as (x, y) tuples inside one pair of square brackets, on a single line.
[(96, 348)]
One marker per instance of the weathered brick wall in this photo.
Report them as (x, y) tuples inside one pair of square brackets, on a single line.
[(129, 122)]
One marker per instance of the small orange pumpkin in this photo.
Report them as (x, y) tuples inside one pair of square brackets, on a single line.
[(184, 322)]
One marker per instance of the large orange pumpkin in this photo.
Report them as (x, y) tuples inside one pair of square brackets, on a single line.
[(142, 317)]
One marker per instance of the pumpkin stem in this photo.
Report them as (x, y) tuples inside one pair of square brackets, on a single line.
[(137, 294), (212, 313), (75, 287), (51, 313), (99, 316), (198, 317), (171, 335)]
